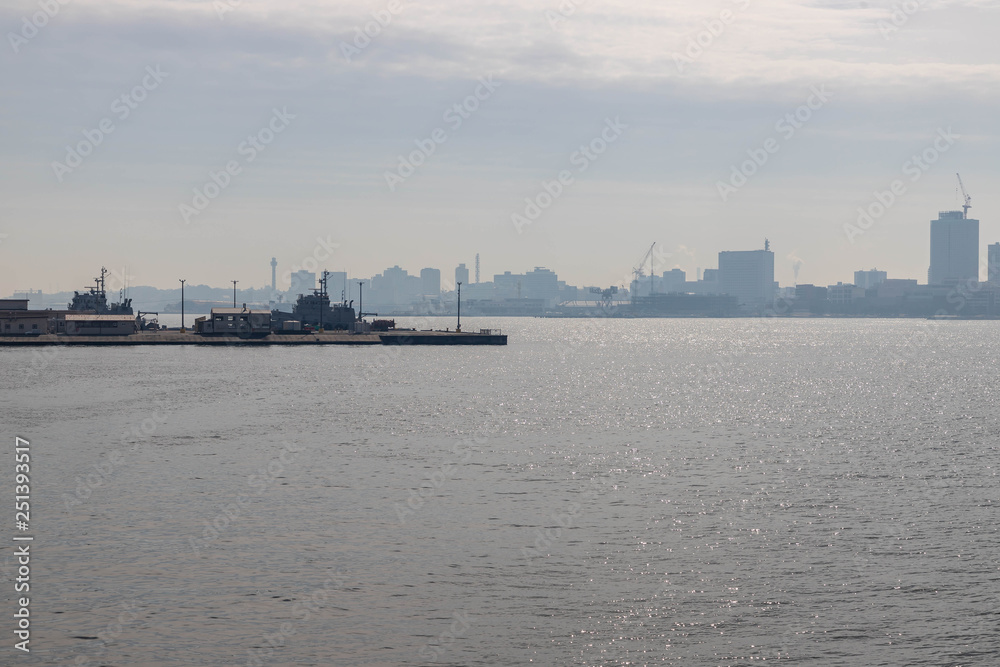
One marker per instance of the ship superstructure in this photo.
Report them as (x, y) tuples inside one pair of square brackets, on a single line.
[(316, 310), (95, 300)]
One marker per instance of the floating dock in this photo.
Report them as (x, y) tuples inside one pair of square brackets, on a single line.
[(396, 337)]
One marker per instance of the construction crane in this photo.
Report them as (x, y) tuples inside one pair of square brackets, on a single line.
[(639, 272), (968, 200)]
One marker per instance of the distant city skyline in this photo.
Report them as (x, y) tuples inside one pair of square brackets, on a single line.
[(745, 276), (940, 232)]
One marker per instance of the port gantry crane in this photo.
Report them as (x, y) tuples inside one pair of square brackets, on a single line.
[(639, 271), (606, 295), (965, 196)]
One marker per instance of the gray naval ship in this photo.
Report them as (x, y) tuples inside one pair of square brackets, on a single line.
[(95, 300), (316, 310)]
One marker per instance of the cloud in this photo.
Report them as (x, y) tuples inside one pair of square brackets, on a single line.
[(608, 58), (603, 41)]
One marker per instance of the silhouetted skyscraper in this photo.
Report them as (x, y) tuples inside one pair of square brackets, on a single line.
[(993, 263), (954, 248), (748, 275), (430, 281), (303, 282), (462, 275)]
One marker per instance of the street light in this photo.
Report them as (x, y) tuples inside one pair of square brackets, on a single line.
[(182, 306), (234, 293), (459, 327), (361, 301)]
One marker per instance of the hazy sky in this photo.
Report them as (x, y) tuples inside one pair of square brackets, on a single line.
[(331, 110)]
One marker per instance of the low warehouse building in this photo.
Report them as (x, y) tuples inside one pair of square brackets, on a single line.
[(23, 323), (90, 324), (17, 320), (235, 322)]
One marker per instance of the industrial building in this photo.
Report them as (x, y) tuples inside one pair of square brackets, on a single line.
[(993, 263)]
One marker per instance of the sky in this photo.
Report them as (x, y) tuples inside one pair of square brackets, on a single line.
[(174, 139)]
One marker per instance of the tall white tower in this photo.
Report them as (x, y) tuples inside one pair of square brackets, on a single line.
[(274, 274)]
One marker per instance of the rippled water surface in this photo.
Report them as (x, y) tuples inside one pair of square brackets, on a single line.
[(599, 492)]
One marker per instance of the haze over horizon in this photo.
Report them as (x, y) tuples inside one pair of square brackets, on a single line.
[(551, 78)]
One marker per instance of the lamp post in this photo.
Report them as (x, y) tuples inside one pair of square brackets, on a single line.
[(459, 327), (361, 301), (234, 293), (182, 306)]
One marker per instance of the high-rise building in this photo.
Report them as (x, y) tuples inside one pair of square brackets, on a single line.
[(748, 275), (542, 284), (303, 282), (508, 285), (395, 287), (462, 274), (430, 280), (673, 281), (336, 285), (869, 279), (993, 263), (954, 248)]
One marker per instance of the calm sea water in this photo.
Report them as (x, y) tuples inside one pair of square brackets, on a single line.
[(599, 492)]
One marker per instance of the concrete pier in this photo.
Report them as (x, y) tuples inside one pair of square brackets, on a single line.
[(326, 338)]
